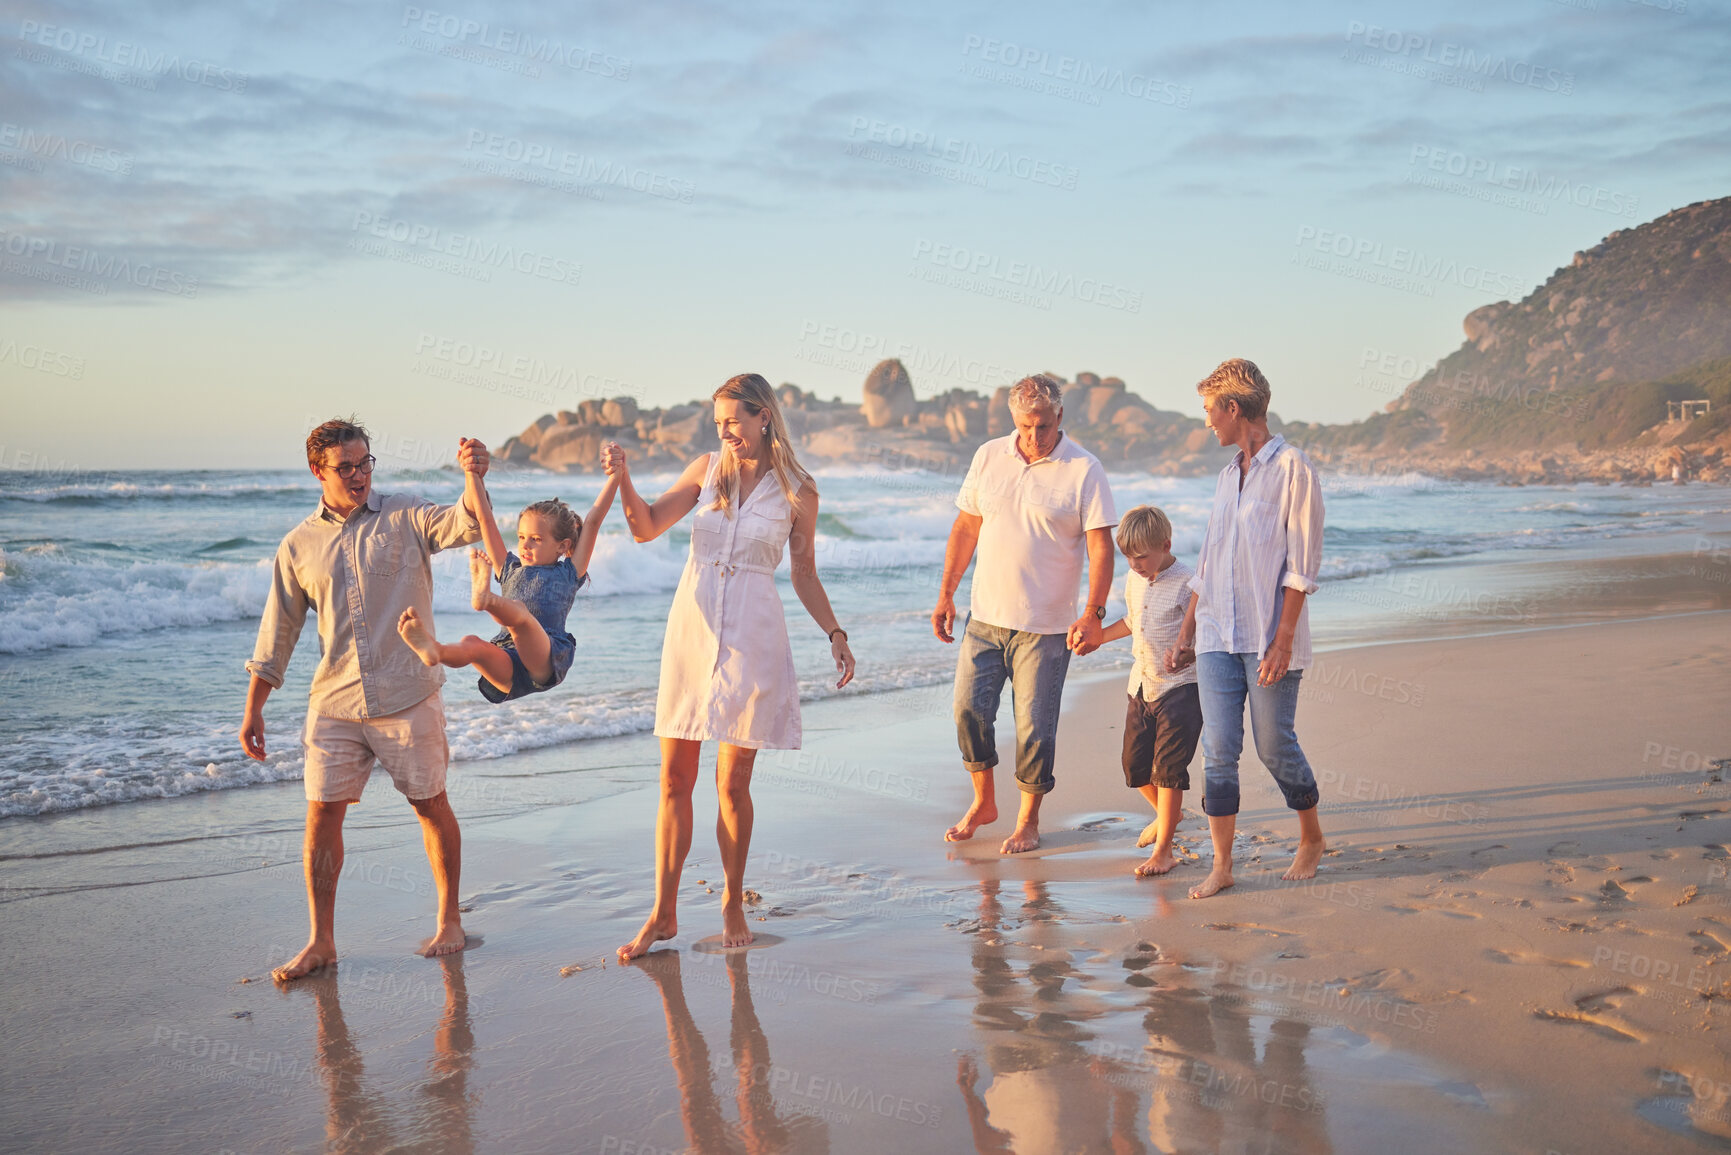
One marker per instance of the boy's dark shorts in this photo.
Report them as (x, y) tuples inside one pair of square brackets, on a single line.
[(1160, 738)]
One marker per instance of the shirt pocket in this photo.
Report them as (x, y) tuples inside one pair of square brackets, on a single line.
[(383, 554), (1259, 521)]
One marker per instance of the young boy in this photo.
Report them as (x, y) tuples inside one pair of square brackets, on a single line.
[(1164, 720)]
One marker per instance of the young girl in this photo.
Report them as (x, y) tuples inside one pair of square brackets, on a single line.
[(537, 586)]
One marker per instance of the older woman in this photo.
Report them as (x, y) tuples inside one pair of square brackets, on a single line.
[(1246, 628), (726, 665)]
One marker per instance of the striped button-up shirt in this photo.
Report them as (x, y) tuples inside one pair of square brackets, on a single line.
[(359, 574), (1154, 611), (1262, 540)]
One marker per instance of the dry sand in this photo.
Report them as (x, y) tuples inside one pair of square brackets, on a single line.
[(1519, 941)]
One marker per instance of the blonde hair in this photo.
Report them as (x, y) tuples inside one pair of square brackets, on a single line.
[(567, 526), (753, 392), (1144, 530), (1241, 381)]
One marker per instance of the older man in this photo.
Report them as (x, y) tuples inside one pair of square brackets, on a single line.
[(1036, 506), (358, 562)]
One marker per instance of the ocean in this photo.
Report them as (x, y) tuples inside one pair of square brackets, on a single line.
[(129, 603)]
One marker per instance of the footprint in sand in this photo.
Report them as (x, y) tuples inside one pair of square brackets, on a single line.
[(1445, 911), (1591, 1012), (1248, 928), (1565, 849), (1529, 959), (1708, 943)]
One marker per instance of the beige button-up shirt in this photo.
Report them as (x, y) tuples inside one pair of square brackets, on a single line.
[(358, 575)]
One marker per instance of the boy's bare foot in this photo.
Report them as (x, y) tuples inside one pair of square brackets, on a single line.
[(314, 957), (735, 931), (1304, 862), (1218, 880), (448, 939), (1026, 837), (1149, 833), (978, 815), (419, 637), (481, 594), (1159, 862), (654, 931)]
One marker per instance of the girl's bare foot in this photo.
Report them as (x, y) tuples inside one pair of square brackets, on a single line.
[(314, 957), (978, 815), (1159, 862), (1304, 862), (735, 931), (481, 593), (419, 637), (1218, 880), (654, 931)]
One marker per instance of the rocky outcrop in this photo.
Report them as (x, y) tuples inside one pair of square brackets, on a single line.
[(889, 395)]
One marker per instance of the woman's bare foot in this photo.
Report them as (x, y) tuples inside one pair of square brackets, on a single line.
[(1218, 880), (978, 815), (1149, 833), (481, 594), (1159, 862), (1026, 837), (735, 931), (1304, 862), (654, 931), (314, 957), (448, 939), (419, 637)]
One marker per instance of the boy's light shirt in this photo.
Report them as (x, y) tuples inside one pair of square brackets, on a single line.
[(1154, 611)]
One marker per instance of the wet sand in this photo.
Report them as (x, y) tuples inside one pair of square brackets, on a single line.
[(1519, 941)]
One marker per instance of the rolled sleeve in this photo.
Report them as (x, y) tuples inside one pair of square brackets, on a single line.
[(446, 526), (285, 612), (1098, 511), (1303, 531)]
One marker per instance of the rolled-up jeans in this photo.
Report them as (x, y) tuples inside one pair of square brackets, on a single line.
[(1035, 665), (1225, 682)]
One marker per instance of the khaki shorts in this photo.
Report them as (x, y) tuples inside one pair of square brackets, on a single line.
[(410, 745)]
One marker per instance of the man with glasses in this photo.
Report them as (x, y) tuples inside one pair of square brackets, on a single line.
[(358, 562)]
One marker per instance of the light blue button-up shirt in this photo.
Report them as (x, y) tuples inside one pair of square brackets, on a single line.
[(1262, 540)]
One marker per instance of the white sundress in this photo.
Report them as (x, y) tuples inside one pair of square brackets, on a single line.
[(726, 665)]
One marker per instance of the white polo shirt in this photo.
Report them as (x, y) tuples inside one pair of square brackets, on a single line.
[(1035, 516)]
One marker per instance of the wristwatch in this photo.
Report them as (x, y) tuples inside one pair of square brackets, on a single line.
[(1098, 611)]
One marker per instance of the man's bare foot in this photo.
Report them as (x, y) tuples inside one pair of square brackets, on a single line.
[(654, 931), (1149, 833), (481, 594), (735, 931), (1159, 862), (1025, 838), (1304, 862), (448, 940), (1217, 881), (314, 957), (978, 815), (419, 637)]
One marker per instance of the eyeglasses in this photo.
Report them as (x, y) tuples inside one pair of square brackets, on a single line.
[(348, 469)]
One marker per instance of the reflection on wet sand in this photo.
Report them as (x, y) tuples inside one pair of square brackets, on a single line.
[(761, 1128), (357, 1118), (1206, 1085)]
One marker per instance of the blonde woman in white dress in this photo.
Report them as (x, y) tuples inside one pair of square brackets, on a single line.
[(726, 665)]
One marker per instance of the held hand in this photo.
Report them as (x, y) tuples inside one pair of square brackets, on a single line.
[(944, 619), (1178, 657), (1085, 635), (252, 736), (613, 460), (843, 656), (1275, 660), (472, 456)]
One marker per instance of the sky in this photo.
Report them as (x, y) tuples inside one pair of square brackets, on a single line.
[(223, 223)]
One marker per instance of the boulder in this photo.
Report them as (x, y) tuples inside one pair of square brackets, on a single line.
[(619, 411), (589, 413), (966, 420), (531, 436), (1098, 403), (889, 395), (514, 451), (1087, 380), (998, 419), (568, 447)]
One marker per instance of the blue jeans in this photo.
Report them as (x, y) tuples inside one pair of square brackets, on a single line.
[(1035, 665), (1226, 680)]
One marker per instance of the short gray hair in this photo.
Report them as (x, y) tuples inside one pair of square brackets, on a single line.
[(1041, 389), (1237, 380)]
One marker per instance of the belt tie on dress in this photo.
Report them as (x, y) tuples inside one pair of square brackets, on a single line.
[(741, 567)]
